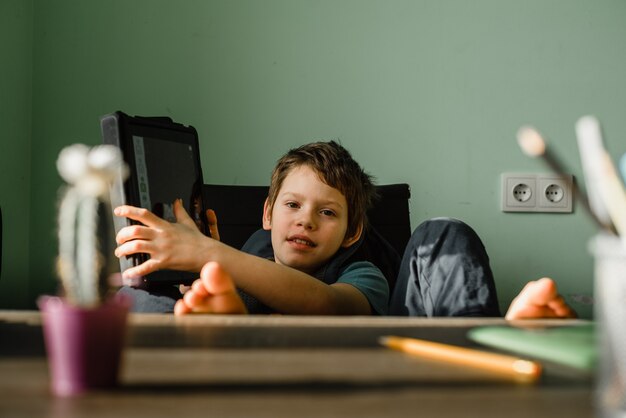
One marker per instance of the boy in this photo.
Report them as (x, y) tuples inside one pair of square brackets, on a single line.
[(315, 215), (315, 211)]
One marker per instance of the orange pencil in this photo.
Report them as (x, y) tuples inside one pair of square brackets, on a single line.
[(520, 370)]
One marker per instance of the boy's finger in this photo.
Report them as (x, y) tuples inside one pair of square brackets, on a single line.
[(133, 239), (139, 214), (182, 217), (211, 217), (134, 232), (142, 269)]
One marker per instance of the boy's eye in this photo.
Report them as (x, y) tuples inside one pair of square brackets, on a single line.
[(292, 205), (327, 212)]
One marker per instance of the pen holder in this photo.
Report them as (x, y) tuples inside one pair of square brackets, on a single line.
[(610, 313), (84, 345)]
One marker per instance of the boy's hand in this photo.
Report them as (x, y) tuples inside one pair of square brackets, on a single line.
[(175, 246), (539, 299), (213, 292)]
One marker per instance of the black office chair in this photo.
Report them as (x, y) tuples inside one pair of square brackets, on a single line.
[(239, 212)]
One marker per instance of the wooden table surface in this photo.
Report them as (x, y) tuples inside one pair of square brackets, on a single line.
[(273, 366)]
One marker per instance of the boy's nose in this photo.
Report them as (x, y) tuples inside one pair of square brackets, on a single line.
[(306, 220)]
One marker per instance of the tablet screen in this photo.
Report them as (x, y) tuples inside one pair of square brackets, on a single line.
[(169, 166)]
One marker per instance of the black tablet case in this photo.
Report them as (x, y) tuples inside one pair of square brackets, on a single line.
[(164, 162)]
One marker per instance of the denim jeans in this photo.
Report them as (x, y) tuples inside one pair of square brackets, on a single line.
[(444, 272)]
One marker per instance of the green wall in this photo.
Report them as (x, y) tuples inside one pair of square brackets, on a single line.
[(425, 92), (16, 69)]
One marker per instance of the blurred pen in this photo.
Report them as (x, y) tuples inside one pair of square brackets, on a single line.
[(612, 190), (532, 144), (590, 149), (519, 370)]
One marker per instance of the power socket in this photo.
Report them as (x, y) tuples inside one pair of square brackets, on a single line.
[(523, 192), (519, 192), (554, 193)]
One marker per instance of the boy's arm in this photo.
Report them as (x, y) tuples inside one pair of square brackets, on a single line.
[(181, 246), (288, 290)]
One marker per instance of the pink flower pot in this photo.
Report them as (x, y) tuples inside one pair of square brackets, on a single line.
[(84, 345)]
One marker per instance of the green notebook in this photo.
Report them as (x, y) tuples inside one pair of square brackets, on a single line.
[(573, 346)]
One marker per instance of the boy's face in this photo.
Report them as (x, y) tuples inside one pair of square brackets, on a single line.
[(308, 221)]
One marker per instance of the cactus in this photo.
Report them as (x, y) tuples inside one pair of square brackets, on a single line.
[(84, 221)]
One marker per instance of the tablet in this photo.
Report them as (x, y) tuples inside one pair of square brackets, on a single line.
[(164, 164)]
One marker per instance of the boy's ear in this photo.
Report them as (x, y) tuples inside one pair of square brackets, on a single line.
[(348, 241), (267, 215)]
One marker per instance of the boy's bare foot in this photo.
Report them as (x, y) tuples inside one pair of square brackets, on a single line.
[(213, 292), (539, 299)]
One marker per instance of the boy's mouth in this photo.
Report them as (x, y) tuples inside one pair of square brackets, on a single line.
[(300, 240)]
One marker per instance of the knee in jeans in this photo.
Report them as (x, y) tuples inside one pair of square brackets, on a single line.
[(444, 227), (446, 223)]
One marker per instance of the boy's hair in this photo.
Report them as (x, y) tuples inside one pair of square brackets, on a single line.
[(336, 168)]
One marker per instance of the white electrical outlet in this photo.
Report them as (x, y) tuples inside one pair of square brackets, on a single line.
[(518, 192), (554, 193), (524, 192)]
